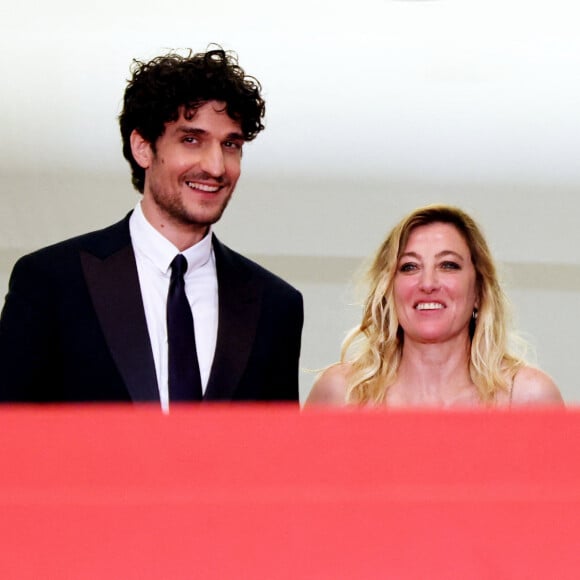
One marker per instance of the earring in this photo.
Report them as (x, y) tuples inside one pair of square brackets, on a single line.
[(475, 314)]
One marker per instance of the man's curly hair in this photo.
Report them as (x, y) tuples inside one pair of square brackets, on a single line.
[(161, 88)]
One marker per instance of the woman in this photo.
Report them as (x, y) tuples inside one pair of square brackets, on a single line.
[(434, 328)]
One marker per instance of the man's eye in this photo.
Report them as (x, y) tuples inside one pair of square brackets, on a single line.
[(232, 145), (190, 140)]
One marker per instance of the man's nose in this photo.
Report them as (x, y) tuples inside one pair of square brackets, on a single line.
[(212, 161)]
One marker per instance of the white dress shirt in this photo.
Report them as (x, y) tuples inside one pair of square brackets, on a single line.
[(154, 254)]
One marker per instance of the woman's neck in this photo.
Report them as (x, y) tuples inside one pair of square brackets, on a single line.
[(434, 375)]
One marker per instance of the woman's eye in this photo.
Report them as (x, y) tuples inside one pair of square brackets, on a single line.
[(448, 265), (407, 267)]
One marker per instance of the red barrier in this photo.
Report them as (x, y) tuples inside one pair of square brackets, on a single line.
[(271, 492)]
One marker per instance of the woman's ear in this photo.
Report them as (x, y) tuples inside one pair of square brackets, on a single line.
[(141, 149)]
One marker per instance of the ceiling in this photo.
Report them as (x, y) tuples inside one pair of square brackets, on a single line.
[(430, 90)]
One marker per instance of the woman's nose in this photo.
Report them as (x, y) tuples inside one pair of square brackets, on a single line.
[(429, 280)]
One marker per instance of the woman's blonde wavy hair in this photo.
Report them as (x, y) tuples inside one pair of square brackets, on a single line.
[(374, 348)]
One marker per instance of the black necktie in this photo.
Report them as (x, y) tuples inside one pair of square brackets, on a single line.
[(184, 379)]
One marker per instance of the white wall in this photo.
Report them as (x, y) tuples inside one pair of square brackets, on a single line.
[(317, 234), (370, 113)]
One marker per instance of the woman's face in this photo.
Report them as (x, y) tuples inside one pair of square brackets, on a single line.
[(435, 285)]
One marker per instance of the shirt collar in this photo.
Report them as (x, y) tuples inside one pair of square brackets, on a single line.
[(156, 248)]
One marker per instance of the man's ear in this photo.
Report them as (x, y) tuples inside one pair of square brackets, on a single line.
[(141, 149)]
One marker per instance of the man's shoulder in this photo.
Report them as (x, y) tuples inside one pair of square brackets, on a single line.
[(103, 241), (244, 266)]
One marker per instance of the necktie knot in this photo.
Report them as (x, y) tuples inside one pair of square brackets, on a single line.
[(178, 266)]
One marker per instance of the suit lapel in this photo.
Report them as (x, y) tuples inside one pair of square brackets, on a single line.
[(239, 309), (113, 283)]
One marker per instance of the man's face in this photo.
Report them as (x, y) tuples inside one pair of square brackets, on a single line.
[(192, 173)]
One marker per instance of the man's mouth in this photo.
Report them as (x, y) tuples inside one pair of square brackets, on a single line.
[(203, 187)]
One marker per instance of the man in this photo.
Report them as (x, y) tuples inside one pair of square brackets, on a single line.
[(89, 319)]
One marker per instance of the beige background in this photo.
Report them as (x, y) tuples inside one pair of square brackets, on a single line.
[(371, 112)]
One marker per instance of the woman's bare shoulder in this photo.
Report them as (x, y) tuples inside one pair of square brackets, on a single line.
[(533, 386), (330, 386)]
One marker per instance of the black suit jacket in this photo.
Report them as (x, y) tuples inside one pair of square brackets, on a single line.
[(73, 327)]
